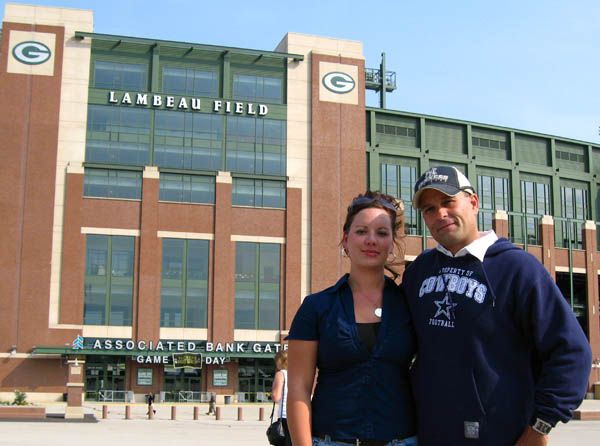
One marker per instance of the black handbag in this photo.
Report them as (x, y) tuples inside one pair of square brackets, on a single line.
[(275, 432)]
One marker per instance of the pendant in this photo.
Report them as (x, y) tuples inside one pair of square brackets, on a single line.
[(378, 311)]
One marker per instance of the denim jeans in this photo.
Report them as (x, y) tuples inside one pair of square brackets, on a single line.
[(411, 441)]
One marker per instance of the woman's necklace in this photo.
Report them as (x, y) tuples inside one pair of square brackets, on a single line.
[(378, 310)]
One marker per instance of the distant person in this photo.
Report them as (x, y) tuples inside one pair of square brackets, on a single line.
[(151, 403), (501, 357), (359, 335), (280, 391), (212, 404)]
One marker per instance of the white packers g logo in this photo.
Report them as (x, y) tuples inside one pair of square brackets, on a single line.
[(31, 53), (338, 82)]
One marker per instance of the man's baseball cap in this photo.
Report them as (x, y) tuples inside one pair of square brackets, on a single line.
[(448, 180)]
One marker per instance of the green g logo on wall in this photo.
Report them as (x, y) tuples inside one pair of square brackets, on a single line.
[(338, 82), (31, 53)]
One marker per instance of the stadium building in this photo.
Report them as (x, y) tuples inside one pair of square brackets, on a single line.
[(166, 205)]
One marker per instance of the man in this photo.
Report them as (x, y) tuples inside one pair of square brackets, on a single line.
[(501, 356)]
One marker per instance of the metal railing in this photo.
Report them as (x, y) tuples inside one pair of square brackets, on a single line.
[(253, 397), (112, 395), (189, 396)]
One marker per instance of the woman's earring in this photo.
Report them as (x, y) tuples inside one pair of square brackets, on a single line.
[(393, 257), (344, 252)]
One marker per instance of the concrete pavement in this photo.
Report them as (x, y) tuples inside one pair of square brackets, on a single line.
[(115, 430)]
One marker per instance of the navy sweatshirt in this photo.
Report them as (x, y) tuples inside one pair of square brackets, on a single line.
[(498, 346)]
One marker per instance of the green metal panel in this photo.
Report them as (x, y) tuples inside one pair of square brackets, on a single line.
[(596, 160), (571, 156), (532, 150), (396, 130), (490, 144), (445, 137), (459, 166), (493, 172)]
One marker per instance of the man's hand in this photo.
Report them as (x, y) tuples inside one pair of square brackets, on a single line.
[(532, 438)]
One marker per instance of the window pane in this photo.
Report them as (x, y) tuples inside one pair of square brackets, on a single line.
[(96, 281), (197, 283), (120, 76), (188, 81), (255, 145), (245, 284), (269, 287), (121, 298), (186, 141), (109, 280), (171, 295), (118, 135), (258, 88), (187, 188), (112, 184)]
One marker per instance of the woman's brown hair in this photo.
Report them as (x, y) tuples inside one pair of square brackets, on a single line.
[(395, 209)]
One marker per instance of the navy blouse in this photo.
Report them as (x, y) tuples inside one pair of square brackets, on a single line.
[(359, 394)]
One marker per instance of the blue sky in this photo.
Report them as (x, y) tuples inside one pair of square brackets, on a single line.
[(531, 65)]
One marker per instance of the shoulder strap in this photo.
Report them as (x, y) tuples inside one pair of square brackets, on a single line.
[(282, 396)]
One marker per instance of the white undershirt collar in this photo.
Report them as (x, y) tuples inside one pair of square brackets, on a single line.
[(476, 248)]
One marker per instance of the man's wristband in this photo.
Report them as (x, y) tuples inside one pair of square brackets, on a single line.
[(541, 427)]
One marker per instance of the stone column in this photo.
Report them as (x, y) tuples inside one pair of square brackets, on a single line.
[(591, 268), (75, 386), (500, 223), (548, 249)]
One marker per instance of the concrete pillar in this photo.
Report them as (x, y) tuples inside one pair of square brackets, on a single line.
[(150, 250), (548, 248), (593, 317), (75, 385), (500, 223), (220, 327)]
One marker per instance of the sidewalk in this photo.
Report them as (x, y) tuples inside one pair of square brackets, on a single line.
[(161, 431)]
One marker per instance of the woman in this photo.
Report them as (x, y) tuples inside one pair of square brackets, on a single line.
[(359, 336), (280, 391)]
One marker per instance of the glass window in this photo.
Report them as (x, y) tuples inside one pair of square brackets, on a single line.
[(493, 195), (184, 285), (257, 293), (118, 135), (112, 183), (258, 193), (120, 76), (190, 82), (574, 288), (535, 201), (574, 207), (256, 145), (398, 179), (187, 188), (258, 88), (108, 288), (187, 140)]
